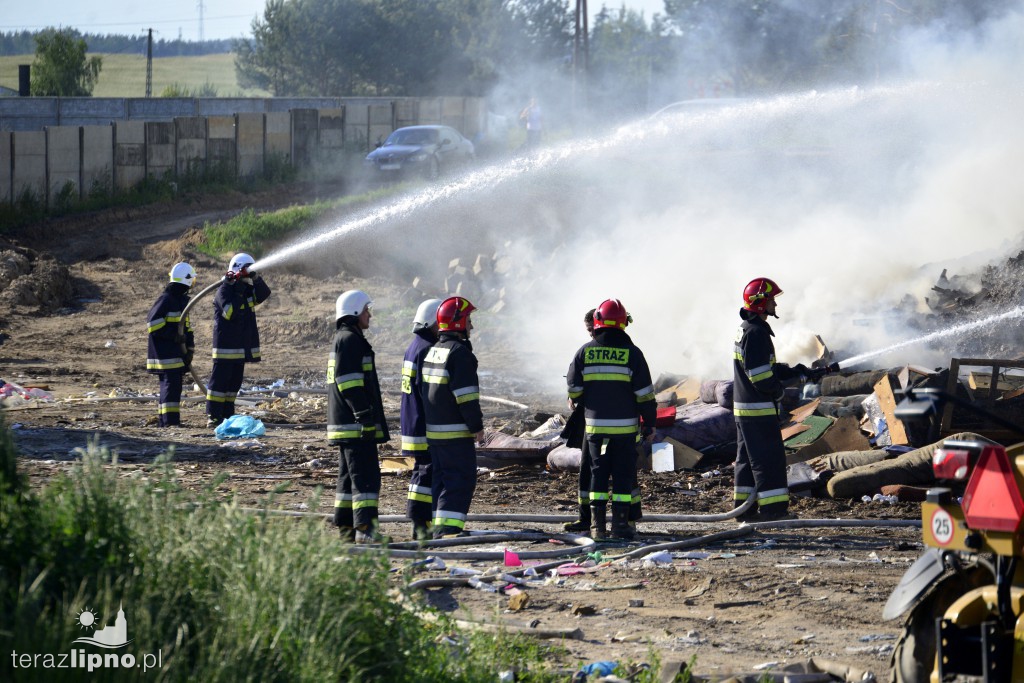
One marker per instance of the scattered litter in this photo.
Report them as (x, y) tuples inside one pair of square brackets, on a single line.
[(584, 610), (239, 426), (871, 649), (712, 473), (876, 636), (434, 563), (604, 668), (623, 637), (475, 582), (765, 665), (313, 464), (464, 571), (880, 498), (512, 559), (300, 506), (252, 443), (636, 603), (804, 639), (110, 344), (693, 555), (519, 601), (659, 559)]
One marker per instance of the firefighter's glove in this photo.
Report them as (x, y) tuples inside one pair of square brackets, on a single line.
[(365, 418), (646, 433), (231, 276)]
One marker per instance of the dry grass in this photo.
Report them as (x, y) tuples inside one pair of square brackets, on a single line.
[(125, 75)]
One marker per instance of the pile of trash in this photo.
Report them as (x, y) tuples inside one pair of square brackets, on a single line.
[(14, 396)]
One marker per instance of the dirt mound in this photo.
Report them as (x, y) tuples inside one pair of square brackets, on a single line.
[(28, 278)]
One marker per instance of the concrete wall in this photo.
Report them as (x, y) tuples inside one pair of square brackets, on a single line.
[(249, 144), (121, 155), (97, 159), (29, 173), (129, 154), (160, 152), (5, 166)]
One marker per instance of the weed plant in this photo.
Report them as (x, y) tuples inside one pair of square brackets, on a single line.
[(219, 593)]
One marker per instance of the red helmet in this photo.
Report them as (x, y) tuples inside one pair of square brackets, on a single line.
[(611, 313), (758, 292), (453, 313)]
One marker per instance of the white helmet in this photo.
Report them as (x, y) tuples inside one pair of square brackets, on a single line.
[(240, 262), (183, 273), (351, 302), (426, 314)]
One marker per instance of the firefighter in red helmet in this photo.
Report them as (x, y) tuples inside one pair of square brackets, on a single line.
[(610, 377), (454, 421), (758, 390)]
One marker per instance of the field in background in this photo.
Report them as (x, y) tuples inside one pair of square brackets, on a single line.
[(125, 75)]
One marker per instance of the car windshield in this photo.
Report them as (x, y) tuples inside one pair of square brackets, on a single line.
[(414, 136)]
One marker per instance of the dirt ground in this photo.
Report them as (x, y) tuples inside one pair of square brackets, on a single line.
[(72, 318)]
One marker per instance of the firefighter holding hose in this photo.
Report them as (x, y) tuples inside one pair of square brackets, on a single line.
[(236, 337), (758, 390)]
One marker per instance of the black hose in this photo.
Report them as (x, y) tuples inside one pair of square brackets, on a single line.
[(181, 327)]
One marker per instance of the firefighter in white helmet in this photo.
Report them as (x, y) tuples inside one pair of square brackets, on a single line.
[(169, 354), (355, 419), (236, 338), (420, 506)]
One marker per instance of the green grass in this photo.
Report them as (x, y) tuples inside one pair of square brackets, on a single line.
[(125, 75), (220, 593), (255, 233)]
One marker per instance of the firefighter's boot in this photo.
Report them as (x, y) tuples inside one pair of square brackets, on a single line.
[(620, 522), (582, 523), (348, 534), (421, 531), (598, 522)]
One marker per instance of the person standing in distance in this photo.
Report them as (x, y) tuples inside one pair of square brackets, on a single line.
[(169, 354), (610, 377), (420, 505), (355, 419), (236, 337), (451, 401)]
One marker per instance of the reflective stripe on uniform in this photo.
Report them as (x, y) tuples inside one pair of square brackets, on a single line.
[(421, 494), (353, 379), (451, 431), (364, 500), (414, 443), (228, 354), (622, 498), (743, 492), (169, 408), (164, 363), (408, 368), (623, 426), (466, 394), (156, 324), (773, 496), (754, 409), (435, 375), (347, 431), (448, 518), (608, 373), (343, 500)]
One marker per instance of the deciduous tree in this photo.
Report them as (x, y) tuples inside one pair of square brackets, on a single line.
[(61, 66)]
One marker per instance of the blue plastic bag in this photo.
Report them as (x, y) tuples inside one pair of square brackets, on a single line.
[(239, 427)]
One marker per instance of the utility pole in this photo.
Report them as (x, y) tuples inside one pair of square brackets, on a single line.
[(580, 55), (200, 6), (149, 64)]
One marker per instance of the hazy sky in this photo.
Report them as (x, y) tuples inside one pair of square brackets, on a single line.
[(171, 18)]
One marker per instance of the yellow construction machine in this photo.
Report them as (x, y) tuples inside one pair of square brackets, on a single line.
[(964, 598)]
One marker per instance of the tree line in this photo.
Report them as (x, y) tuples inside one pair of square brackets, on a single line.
[(24, 43), (626, 64)]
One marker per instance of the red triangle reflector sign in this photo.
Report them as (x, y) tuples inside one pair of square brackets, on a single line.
[(993, 501)]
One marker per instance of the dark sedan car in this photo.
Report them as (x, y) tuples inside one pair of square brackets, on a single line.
[(426, 151)]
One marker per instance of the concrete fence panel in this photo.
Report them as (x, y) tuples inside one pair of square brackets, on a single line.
[(430, 110), (129, 154), (357, 126), (332, 131), (249, 144), (382, 122), (89, 111), (160, 157), (63, 163), (29, 172), (278, 140), (6, 167), (97, 159), (189, 145), (229, 106), (304, 137), (221, 144), (406, 112)]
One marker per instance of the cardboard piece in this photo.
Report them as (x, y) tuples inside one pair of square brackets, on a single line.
[(683, 457), (887, 401), (792, 429), (911, 373), (396, 464), (843, 435), (661, 458), (686, 391)]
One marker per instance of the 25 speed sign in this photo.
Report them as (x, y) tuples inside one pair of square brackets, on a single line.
[(942, 526)]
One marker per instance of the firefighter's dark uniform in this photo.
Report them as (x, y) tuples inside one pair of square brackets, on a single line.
[(236, 341), (356, 424), (451, 400), (757, 392), (413, 425), (165, 355), (609, 375)]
